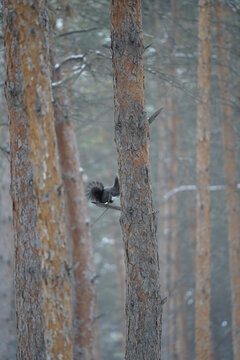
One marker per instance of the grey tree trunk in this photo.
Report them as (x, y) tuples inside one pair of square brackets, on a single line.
[(7, 298)]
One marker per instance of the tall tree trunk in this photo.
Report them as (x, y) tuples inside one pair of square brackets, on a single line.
[(182, 323), (230, 169), (163, 217), (84, 292), (43, 292), (143, 302), (165, 259), (173, 246), (163, 223), (118, 260), (84, 289), (7, 309), (203, 248), (173, 243)]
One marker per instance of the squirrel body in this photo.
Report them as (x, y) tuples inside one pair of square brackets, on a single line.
[(96, 192)]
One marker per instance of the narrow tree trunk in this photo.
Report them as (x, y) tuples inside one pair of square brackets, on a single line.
[(7, 309), (176, 337), (182, 323), (165, 258), (173, 246), (163, 216), (120, 285), (203, 249), (191, 218), (43, 292), (84, 289), (230, 169), (163, 224), (143, 302), (84, 292)]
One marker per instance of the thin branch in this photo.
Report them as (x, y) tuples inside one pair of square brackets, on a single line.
[(4, 150), (71, 58), (98, 317), (99, 217), (193, 188), (108, 206), (154, 116), (76, 32), (75, 74), (173, 81), (148, 46)]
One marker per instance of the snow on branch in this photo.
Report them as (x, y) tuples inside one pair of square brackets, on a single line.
[(71, 58), (74, 74), (182, 188)]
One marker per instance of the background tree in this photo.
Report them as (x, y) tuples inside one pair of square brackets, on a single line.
[(203, 344), (173, 241), (120, 271), (138, 223), (84, 289), (7, 310), (84, 296), (230, 167), (43, 292)]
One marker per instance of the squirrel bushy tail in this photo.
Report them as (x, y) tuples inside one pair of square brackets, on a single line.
[(96, 192)]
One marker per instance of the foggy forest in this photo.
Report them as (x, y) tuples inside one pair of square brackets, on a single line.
[(119, 180)]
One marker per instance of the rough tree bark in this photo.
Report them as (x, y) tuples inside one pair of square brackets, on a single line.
[(43, 292), (230, 168), (203, 249), (84, 290), (143, 301)]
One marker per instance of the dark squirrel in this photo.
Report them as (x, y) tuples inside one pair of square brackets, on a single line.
[(96, 192)]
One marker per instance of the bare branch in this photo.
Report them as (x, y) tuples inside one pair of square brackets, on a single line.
[(154, 116), (76, 32), (5, 150), (107, 206), (75, 74)]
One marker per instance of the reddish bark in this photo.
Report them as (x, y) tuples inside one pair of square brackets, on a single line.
[(143, 301), (43, 291), (203, 345), (84, 291)]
